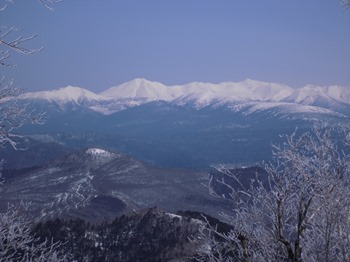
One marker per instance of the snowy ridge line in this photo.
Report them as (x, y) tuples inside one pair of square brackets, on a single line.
[(247, 96), (251, 90)]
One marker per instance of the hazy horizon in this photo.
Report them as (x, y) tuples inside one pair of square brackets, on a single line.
[(97, 45)]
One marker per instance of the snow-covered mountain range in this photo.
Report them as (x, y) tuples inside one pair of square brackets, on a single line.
[(191, 125), (248, 93)]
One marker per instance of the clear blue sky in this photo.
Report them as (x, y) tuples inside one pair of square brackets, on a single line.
[(98, 44)]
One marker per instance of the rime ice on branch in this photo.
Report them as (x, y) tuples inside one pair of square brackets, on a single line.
[(299, 211)]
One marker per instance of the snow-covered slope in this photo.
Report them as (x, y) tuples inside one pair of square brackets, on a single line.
[(198, 94), (141, 89), (94, 183), (64, 95), (248, 90), (245, 90)]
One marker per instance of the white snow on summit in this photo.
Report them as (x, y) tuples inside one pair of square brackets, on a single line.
[(198, 94), (247, 90), (141, 88), (64, 94), (96, 151), (100, 154)]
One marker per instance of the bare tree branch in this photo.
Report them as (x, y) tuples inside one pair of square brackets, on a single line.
[(13, 113), (9, 41), (17, 242), (15, 44), (300, 212), (346, 3), (48, 3)]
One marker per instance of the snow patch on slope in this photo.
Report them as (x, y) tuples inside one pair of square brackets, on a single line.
[(100, 155), (97, 151), (309, 94), (287, 108)]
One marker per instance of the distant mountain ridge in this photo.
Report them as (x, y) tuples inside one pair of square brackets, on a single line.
[(140, 91), (193, 125), (97, 184)]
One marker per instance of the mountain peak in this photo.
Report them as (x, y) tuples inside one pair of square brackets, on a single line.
[(139, 91), (143, 81), (150, 90), (250, 81), (72, 89), (98, 152), (139, 88), (63, 94)]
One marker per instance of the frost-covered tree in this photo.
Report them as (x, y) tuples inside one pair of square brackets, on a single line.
[(17, 242), (346, 3), (298, 211), (10, 40), (13, 115)]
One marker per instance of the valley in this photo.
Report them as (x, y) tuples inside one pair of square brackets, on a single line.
[(144, 144)]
